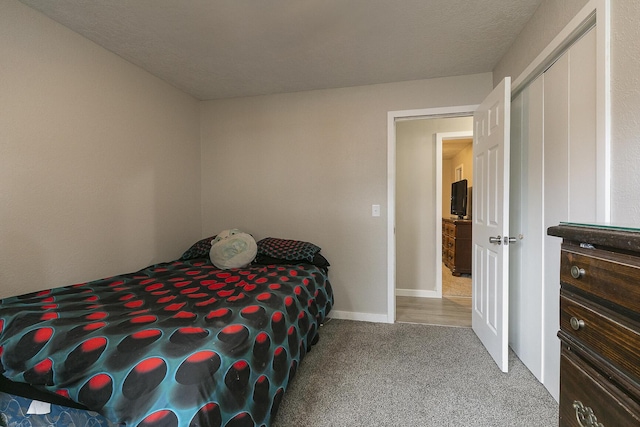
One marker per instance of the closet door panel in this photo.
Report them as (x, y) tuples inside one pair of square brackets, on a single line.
[(556, 209), (534, 181), (525, 274)]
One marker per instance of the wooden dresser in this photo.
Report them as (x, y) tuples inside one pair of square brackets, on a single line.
[(599, 326), (456, 245)]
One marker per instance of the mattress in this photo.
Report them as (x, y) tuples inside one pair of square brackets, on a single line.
[(175, 344)]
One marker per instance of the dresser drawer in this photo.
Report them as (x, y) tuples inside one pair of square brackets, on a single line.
[(585, 394), (449, 228), (449, 243), (448, 258), (611, 276), (614, 337)]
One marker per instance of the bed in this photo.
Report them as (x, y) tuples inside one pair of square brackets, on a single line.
[(181, 343)]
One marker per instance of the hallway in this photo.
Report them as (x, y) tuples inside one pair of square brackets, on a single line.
[(453, 309)]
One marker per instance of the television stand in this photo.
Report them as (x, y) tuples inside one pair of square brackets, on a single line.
[(456, 245)]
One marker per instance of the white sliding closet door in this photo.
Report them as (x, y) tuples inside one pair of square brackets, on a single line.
[(555, 136), (570, 174), (526, 273)]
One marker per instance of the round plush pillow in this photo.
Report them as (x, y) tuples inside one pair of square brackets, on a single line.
[(235, 251)]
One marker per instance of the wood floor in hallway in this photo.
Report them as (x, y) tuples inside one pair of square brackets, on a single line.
[(448, 311)]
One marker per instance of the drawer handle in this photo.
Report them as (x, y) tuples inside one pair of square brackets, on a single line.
[(577, 272), (585, 415), (576, 323)]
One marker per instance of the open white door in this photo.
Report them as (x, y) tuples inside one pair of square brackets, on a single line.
[(490, 278)]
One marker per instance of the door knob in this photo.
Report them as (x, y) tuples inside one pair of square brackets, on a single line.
[(496, 240)]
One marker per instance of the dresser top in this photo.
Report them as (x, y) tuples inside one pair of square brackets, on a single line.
[(603, 235), (457, 221)]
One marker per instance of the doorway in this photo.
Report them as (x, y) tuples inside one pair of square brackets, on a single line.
[(422, 199), (451, 305), (457, 187)]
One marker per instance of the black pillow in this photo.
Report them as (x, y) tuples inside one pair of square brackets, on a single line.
[(318, 260), (199, 249), (287, 249)]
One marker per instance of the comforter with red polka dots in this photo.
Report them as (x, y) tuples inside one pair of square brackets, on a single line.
[(175, 344)]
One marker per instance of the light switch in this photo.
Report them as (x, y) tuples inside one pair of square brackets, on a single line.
[(375, 210)]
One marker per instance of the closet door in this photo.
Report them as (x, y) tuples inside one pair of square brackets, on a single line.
[(556, 139), (569, 174)]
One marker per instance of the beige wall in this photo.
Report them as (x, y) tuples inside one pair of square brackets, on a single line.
[(625, 112), (416, 219), (551, 17), (309, 165), (464, 158), (99, 161)]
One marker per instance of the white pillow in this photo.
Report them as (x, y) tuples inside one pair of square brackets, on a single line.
[(234, 251)]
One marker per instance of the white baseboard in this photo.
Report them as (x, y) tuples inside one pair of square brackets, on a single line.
[(420, 293), (363, 317)]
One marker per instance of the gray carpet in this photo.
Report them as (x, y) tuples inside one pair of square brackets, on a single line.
[(373, 374)]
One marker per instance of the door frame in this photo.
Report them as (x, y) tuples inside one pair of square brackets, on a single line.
[(392, 117)]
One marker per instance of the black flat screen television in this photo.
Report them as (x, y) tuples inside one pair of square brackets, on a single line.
[(459, 198)]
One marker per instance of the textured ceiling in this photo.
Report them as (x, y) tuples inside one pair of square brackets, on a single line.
[(228, 48)]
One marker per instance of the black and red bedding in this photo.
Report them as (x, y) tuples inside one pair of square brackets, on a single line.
[(176, 344)]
